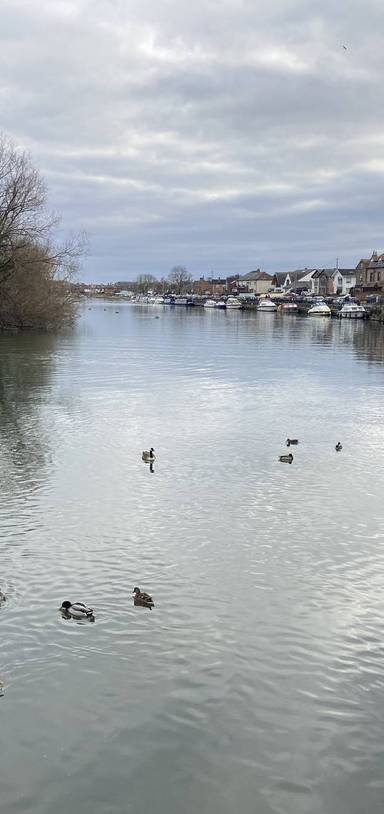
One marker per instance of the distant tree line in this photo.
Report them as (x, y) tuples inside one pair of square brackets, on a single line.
[(34, 269), (179, 280)]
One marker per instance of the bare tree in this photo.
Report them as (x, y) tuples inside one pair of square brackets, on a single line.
[(144, 282), (27, 246), (180, 279)]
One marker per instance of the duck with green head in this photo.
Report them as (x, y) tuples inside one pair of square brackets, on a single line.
[(77, 610)]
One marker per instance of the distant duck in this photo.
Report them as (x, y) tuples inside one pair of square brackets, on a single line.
[(290, 441), (338, 447), (141, 598), (148, 455), (77, 610), (3, 598), (286, 459)]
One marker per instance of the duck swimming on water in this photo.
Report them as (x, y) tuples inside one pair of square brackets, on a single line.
[(286, 459), (338, 447), (77, 610), (141, 598), (148, 455), (290, 441), (3, 598)]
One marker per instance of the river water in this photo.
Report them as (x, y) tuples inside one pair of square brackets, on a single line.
[(257, 682)]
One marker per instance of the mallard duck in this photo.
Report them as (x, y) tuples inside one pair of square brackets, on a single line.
[(286, 459), (148, 455), (290, 441), (77, 610), (338, 447), (141, 598)]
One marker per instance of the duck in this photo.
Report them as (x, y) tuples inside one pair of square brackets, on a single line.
[(77, 610), (338, 447), (290, 441), (286, 459), (141, 598), (148, 455), (3, 598)]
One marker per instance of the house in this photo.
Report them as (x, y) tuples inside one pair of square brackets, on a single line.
[(322, 282), (361, 271), (343, 280), (305, 282), (255, 282), (290, 280), (370, 274), (213, 286), (318, 282)]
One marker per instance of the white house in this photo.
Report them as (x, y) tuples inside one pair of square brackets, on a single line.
[(343, 280)]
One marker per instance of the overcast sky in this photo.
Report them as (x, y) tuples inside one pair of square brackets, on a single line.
[(219, 134)]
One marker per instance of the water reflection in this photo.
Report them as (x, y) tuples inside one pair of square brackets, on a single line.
[(26, 368), (368, 340)]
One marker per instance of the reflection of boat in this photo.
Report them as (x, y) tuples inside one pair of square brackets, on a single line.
[(320, 309), (210, 304), (351, 310), (267, 305), (233, 302)]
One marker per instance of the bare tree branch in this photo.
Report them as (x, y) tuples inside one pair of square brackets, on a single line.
[(34, 269)]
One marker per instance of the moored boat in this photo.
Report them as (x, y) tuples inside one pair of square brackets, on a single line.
[(221, 304), (351, 310), (210, 304), (233, 302), (267, 305), (186, 301), (320, 309), (289, 307)]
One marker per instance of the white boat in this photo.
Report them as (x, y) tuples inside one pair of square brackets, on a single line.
[(221, 304), (210, 304), (159, 301), (233, 302), (351, 310), (267, 305), (320, 309), (289, 307)]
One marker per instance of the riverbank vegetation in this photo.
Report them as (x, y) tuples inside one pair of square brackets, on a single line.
[(35, 270)]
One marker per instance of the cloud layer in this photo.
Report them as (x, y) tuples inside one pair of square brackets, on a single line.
[(220, 135)]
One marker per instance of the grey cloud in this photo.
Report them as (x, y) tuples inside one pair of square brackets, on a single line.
[(219, 135)]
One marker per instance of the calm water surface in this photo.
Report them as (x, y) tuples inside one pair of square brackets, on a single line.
[(257, 682)]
